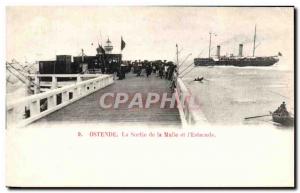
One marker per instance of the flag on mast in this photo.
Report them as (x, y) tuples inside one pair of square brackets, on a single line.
[(123, 44)]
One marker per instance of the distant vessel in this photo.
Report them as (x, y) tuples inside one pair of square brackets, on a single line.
[(239, 60)]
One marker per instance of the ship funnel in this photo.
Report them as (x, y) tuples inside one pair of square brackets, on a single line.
[(240, 50), (218, 51)]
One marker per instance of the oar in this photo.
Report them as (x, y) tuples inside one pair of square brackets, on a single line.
[(257, 116)]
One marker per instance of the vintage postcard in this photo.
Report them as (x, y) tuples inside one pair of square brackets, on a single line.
[(150, 96)]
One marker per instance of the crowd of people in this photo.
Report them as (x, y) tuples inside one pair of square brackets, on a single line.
[(163, 69)]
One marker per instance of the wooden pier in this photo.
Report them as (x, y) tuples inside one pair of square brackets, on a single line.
[(88, 109), (79, 102)]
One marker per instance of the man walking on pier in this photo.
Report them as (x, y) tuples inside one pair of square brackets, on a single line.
[(148, 70)]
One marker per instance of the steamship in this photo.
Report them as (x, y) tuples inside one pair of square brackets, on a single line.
[(239, 60)]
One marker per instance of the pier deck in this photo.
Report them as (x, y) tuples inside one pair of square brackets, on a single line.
[(88, 109)]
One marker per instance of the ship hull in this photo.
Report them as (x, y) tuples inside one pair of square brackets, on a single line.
[(261, 61)]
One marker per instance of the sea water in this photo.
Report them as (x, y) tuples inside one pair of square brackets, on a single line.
[(229, 94)]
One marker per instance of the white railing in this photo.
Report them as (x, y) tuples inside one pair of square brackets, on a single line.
[(65, 75), (24, 111), (55, 83), (188, 106)]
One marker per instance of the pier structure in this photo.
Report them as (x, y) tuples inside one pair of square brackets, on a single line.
[(24, 111), (88, 109), (188, 106), (79, 102), (45, 82)]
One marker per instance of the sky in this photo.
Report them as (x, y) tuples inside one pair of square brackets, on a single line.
[(39, 33)]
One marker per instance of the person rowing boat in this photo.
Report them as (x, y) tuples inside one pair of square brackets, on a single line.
[(282, 116)]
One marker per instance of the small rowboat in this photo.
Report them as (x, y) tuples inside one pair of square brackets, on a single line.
[(286, 120)]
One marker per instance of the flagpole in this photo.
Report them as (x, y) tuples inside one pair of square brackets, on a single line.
[(101, 38), (121, 50), (177, 54)]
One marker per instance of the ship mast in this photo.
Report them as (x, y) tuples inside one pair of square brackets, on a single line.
[(254, 41), (209, 45), (210, 33)]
